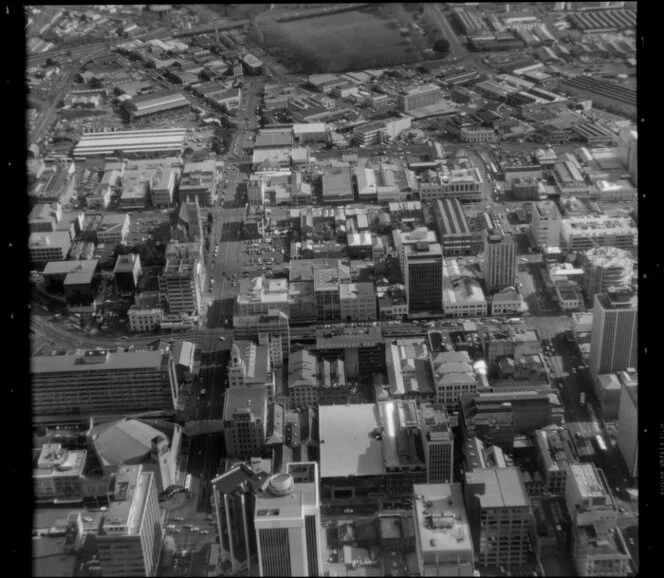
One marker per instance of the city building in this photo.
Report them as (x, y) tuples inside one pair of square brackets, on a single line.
[(453, 376), (443, 540), (182, 281), (423, 276), (357, 302), (465, 184), (245, 421), (385, 448), (58, 474), (453, 228), (44, 217), (614, 334), (362, 348), (408, 372), (555, 452), (131, 142), (189, 225), (507, 301), (628, 423), (57, 273), (462, 295), (513, 340), (200, 180), (288, 524), (273, 324), (45, 247), (146, 314), (113, 228), (260, 295), (101, 382), (303, 379), (235, 494), (250, 366), (606, 268), (326, 291), (419, 96), (142, 106), (496, 417), (582, 233), (499, 260), (131, 441), (499, 512), (545, 224), (126, 273), (251, 65), (130, 533), (337, 186)]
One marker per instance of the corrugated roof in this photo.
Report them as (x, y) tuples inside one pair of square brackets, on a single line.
[(123, 441)]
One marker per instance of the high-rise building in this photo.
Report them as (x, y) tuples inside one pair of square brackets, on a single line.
[(545, 224), (234, 501), (245, 421), (437, 441), (499, 510), (443, 540), (499, 260), (606, 268), (614, 336), (628, 420), (288, 525), (250, 366), (423, 276), (130, 534), (419, 96), (102, 383)]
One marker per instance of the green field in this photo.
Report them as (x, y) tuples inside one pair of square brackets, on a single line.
[(340, 42)]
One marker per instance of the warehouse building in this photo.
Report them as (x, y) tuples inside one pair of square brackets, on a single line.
[(453, 229), (131, 142), (157, 102)]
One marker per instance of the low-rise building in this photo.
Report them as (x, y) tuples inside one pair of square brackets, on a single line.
[(147, 313), (466, 184), (45, 247), (582, 233), (357, 302), (555, 452), (337, 186), (408, 370), (453, 228), (200, 179), (508, 301), (462, 295), (113, 228)]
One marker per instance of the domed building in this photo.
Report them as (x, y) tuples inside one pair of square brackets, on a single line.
[(133, 441)]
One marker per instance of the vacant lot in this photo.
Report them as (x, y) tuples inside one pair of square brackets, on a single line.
[(341, 42)]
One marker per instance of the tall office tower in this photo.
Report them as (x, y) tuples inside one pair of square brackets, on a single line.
[(613, 346), (545, 224), (500, 513), (443, 540), (287, 522), (234, 500), (437, 441), (130, 534), (423, 276), (499, 260), (628, 422)]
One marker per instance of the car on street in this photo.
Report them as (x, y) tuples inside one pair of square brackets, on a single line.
[(222, 338)]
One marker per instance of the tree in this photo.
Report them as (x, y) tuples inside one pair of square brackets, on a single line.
[(442, 46)]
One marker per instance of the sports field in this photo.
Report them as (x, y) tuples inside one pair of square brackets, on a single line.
[(343, 42)]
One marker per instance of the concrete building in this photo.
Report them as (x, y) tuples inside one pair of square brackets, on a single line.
[(250, 366), (140, 107), (44, 217), (628, 423), (303, 379), (235, 494), (132, 142), (545, 224), (273, 324), (586, 232), (606, 268), (453, 376), (408, 372), (288, 525), (499, 512), (130, 534), (438, 442), (443, 540), (200, 179), (337, 186), (260, 295), (182, 281), (57, 475), (453, 228), (102, 383), (466, 184), (126, 273), (45, 247), (614, 335), (419, 96), (507, 301), (357, 302), (245, 421), (189, 224), (462, 295), (499, 260), (423, 276), (555, 452), (146, 314)]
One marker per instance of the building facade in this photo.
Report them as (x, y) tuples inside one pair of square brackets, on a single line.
[(499, 261)]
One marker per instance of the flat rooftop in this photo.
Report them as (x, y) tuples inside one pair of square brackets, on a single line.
[(442, 522), (97, 360), (346, 431), (503, 488)]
